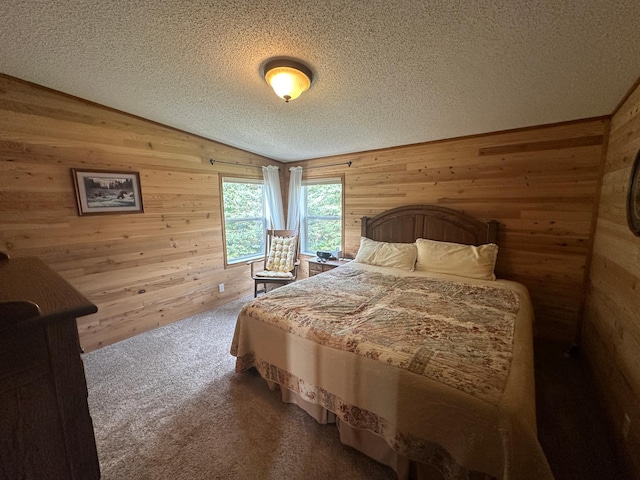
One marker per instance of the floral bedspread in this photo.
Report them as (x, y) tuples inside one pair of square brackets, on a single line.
[(455, 333)]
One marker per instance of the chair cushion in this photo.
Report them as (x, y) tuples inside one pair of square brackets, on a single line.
[(268, 274), (282, 254)]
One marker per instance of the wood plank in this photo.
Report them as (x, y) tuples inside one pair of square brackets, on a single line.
[(542, 145), (611, 330)]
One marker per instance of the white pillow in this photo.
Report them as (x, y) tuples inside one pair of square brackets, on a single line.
[(387, 254), (457, 259)]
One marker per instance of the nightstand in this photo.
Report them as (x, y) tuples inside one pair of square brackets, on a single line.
[(316, 266)]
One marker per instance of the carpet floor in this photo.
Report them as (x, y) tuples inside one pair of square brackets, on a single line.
[(167, 404)]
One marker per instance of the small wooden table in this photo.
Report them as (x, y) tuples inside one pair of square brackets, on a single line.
[(316, 266)]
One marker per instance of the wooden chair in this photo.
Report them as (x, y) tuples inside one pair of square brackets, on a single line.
[(280, 263)]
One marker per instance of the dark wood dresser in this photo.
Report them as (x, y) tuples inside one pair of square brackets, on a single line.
[(45, 427)]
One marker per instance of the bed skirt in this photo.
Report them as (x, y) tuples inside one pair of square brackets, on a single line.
[(375, 446)]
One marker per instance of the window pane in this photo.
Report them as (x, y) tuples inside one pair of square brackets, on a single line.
[(244, 219), (321, 227), (324, 200), (245, 239), (242, 200), (325, 235)]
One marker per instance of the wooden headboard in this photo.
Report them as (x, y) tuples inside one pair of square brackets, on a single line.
[(406, 224)]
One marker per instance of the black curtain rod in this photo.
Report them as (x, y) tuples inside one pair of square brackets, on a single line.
[(348, 164), (212, 161)]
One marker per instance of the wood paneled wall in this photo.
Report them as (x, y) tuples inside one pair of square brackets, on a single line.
[(540, 183), (142, 270), (611, 335), (146, 270)]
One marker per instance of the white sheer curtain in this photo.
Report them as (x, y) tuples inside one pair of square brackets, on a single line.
[(274, 197), (295, 190)]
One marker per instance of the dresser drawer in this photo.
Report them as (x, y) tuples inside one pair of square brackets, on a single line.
[(315, 268)]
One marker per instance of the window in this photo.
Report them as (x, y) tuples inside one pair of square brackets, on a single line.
[(244, 218), (321, 211)]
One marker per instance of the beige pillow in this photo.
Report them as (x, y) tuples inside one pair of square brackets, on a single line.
[(386, 254), (457, 259), (282, 254)]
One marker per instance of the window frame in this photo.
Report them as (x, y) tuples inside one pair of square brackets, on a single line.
[(303, 210), (223, 221)]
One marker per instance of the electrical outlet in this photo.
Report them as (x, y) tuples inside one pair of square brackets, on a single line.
[(221, 287), (626, 425)]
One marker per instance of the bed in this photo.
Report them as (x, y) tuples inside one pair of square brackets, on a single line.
[(426, 371)]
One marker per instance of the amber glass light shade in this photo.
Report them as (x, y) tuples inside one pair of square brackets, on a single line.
[(287, 78)]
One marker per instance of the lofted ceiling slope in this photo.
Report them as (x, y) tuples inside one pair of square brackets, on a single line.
[(386, 73)]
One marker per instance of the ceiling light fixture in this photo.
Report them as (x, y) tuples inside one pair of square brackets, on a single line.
[(288, 78)]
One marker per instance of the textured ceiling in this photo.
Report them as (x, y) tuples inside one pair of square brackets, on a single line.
[(386, 73)]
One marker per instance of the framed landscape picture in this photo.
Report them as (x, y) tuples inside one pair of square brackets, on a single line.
[(633, 197), (104, 191)]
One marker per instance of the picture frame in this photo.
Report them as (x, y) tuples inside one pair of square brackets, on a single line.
[(100, 192), (633, 197)]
